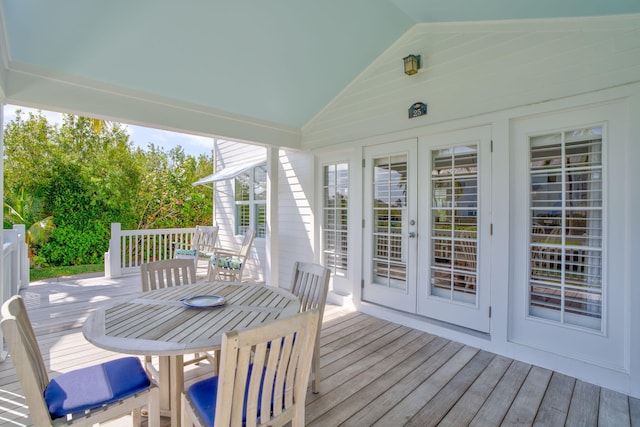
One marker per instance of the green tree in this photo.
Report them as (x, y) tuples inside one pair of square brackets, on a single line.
[(86, 174), (26, 209), (28, 150), (166, 195)]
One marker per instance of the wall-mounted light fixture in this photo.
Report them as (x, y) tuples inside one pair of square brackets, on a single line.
[(411, 64)]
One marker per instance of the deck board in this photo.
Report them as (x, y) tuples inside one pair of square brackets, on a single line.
[(614, 409), (634, 411), (435, 410), (347, 397), (374, 372), (499, 401), (555, 405), (583, 410), (430, 386), (525, 405), (466, 408), (435, 355)]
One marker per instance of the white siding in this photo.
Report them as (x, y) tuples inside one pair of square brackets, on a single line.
[(227, 154), (295, 212), (476, 68)]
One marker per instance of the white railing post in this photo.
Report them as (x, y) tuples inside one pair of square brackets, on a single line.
[(10, 284), (5, 280), (112, 266), (22, 256)]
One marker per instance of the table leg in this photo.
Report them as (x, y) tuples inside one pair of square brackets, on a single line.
[(165, 391), (171, 387), (176, 387)]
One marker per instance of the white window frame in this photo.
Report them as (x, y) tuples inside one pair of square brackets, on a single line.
[(253, 204), (586, 323), (326, 252)]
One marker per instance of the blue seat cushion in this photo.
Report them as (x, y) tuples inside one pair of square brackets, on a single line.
[(230, 263), (203, 398), (94, 386)]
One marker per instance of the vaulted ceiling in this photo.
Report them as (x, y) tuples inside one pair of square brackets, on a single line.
[(274, 62)]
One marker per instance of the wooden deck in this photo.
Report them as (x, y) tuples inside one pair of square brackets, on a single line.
[(374, 372)]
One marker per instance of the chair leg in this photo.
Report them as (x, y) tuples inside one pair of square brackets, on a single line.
[(298, 417), (136, 417), (315, 369), (154, 408), (186, 420), (211, 272)]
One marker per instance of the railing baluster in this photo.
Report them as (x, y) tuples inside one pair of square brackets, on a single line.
[(138, 246)]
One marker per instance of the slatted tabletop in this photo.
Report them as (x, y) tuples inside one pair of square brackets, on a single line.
[(159, 323)]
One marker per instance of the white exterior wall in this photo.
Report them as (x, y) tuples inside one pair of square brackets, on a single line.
[(295, 212), (229, 154), (295, 186), (501, 74)]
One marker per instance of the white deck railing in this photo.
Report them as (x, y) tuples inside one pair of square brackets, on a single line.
[(15, 261), (15, 267), (130, 248)]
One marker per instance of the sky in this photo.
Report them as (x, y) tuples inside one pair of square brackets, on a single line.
[(138, 135)]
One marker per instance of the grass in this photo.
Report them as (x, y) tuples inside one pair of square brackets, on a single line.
[(49, 272)]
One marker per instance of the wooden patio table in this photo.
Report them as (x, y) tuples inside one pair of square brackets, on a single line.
[(158, 323)]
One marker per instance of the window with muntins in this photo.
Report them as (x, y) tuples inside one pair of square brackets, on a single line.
[(335, 218), (566, 227), (390, 212), (454, 230), (251, 201)]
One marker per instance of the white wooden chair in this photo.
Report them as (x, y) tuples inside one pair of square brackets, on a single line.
[(166, 274), (202, 245), (82, 397), (310, 283), (263, 377), (227, 264)]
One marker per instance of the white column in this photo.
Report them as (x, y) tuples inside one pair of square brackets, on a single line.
[(3, 295), (272, 239), (112, 266)]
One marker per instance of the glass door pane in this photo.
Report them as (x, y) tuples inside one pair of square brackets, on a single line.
[(454, 213), (389, 266)]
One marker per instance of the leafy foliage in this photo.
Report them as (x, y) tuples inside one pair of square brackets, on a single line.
[(86, 174)]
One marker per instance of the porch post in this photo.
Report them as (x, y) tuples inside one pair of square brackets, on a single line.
[(271, 271), (112, 266), (3, 294), (22, 258)]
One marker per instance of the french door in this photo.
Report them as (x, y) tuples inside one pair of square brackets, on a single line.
[(455, 227), (390, 177), (426, 226)]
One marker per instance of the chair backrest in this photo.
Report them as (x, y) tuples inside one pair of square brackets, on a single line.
[(280, 354), (26, 357), (246, 243), (167, 273), (205, 239), (310, 283), (233, 272)]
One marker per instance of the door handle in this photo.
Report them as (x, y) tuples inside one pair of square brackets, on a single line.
[(412, 234)]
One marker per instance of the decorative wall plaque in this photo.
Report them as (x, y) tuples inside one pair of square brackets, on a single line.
[(418, 109)]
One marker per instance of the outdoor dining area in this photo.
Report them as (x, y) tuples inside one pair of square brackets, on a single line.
[(188, 340), (371, 371), (260, 342)]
